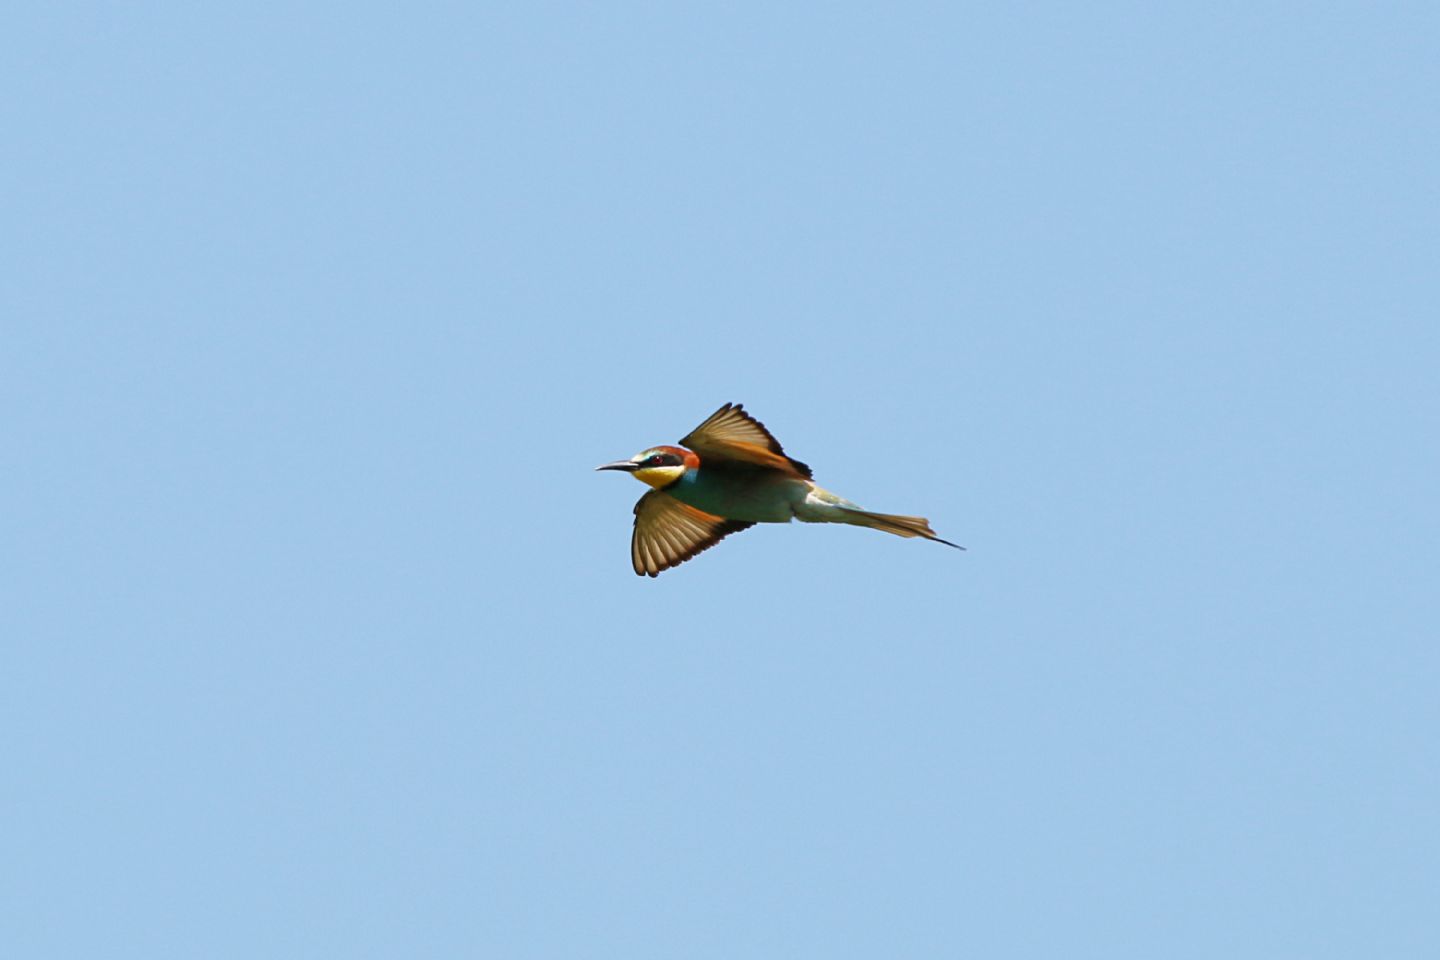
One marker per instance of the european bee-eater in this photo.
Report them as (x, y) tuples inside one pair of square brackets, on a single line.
[(732, 476)]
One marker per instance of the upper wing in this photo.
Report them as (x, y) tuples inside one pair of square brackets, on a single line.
[(731, 433), (668, 532)]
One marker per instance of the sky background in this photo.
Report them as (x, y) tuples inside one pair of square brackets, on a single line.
[(319, 634)]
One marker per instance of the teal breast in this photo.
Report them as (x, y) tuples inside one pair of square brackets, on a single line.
[(760, 497)]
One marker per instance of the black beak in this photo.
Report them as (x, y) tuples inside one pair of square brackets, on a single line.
[(625, 465)]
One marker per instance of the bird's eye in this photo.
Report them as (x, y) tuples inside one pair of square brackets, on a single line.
[(656, 460)]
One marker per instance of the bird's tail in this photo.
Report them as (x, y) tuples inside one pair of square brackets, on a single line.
[(894, 523)]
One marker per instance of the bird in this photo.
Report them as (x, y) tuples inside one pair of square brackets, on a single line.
[(727, 475)]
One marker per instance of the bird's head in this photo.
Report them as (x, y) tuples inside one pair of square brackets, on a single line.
[(658, 466)]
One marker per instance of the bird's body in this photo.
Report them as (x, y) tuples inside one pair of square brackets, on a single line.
[(733, 475), (740, 491)]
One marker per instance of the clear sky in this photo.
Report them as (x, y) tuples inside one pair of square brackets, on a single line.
[(320, 637)]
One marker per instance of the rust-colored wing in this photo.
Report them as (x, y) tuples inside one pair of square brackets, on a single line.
[(668, 532), (732, 434)]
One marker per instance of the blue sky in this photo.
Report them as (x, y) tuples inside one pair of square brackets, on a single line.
[(321, 637)]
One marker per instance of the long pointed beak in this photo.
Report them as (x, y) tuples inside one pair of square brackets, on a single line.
[(625, 465)]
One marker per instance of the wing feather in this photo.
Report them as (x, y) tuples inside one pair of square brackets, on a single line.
[(668, 532), (732, 434)]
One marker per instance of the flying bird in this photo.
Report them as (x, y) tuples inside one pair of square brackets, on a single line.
[(733, 475)]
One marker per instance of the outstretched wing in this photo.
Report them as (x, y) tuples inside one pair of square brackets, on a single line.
[(668, 532), (732, 434)]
